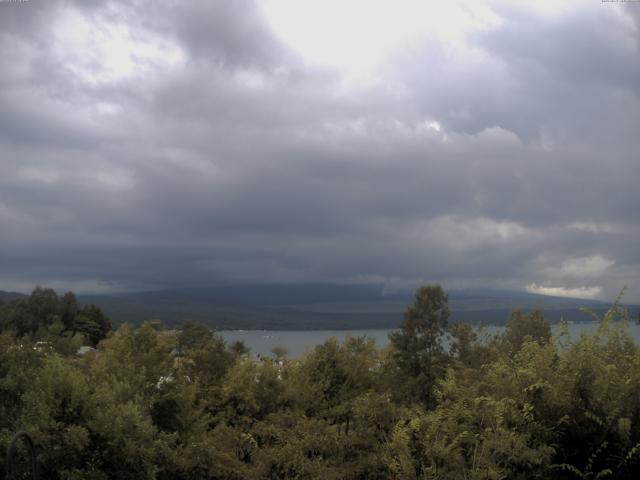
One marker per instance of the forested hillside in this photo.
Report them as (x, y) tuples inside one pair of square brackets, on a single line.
[(181, 404)]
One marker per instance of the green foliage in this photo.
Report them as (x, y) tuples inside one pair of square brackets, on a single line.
[(521, 328), (44, 315), (193, 335), (19, 364), (238, 348), (418, 344), (156, 404)]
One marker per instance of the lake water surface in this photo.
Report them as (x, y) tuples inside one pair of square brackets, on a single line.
[(298, 342)]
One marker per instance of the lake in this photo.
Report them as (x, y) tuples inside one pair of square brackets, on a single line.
[(298, 342)]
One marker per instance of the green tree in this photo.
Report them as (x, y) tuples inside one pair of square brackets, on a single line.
[(19, 364), (239, 349), (193, 335), (43, 309), (418, 347), (524, 327), (68, 306), (93, 323)]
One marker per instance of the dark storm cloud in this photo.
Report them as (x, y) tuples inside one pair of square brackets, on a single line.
[(234, 33), (198, 147)]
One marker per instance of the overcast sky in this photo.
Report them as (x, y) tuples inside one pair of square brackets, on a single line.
[(153, 144)]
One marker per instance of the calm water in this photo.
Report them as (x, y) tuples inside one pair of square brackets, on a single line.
[(298, 342)]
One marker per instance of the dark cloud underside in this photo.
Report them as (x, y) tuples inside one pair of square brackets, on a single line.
[(145, 145)]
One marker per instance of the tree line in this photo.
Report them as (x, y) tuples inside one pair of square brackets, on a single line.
[(439, 402)]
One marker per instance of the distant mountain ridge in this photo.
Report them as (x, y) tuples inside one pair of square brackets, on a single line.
[(325, 306), (9, 296)]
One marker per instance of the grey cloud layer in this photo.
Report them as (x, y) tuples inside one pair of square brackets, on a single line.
[(239, 161)]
